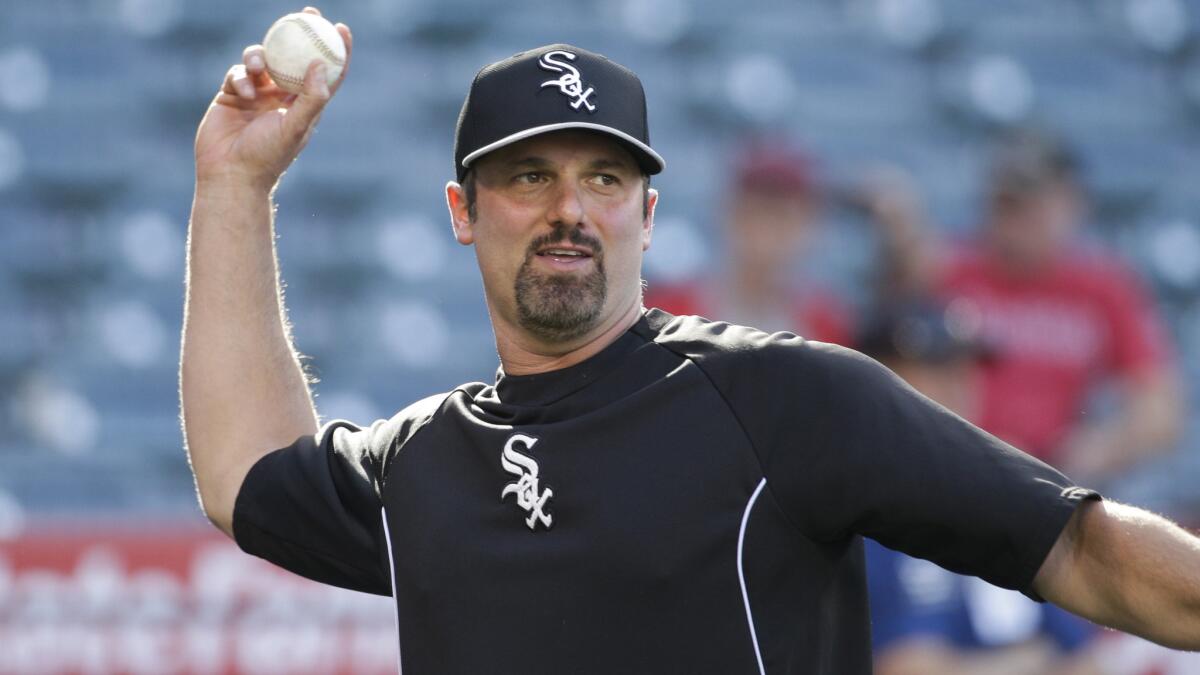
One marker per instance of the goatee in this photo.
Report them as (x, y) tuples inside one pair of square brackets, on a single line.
[(560, 307)]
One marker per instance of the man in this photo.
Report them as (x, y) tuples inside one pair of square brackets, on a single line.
[(772, 216), (1061, 320), (636, 493)]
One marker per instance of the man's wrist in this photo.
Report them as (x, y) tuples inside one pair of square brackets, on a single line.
[(234, 184)]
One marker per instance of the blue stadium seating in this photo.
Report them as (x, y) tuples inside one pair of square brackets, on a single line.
[(115, 139)]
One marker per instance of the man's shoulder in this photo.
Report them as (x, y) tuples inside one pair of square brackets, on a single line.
[(406, 422), (720, 344), (422, 409)]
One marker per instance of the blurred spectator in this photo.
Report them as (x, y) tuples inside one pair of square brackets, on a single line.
[(936, 349), (924, 619), (1060, 319), (773, 209)]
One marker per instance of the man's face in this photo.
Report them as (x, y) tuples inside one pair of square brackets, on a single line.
[(767, 230), (1033, 227), (559, 232)]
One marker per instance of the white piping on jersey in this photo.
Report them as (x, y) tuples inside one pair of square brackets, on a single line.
[(742, 574), (387, 536)]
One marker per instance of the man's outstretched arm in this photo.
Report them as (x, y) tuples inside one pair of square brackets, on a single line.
[(242, 389), (1128, 569)]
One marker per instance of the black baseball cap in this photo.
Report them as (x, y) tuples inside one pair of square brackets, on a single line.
[(923, 331), (547, 89)]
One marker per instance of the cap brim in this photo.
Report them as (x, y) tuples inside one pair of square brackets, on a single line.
[(534, 131)]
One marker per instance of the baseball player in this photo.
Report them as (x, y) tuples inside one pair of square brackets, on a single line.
[(635, 492)]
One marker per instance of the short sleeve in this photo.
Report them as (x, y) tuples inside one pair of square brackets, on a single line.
[(848, 448), (314, 507)]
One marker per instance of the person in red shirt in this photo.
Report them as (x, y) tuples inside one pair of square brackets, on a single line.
[(1058, 317), (773, 211)]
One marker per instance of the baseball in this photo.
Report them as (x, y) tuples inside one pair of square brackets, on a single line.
[(295, 41)]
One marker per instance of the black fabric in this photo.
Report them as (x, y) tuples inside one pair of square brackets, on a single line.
[(514, 95), (651, 457), (314, 506), (849, 448)]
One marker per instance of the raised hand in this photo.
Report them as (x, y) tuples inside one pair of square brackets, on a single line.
[(253, 129)]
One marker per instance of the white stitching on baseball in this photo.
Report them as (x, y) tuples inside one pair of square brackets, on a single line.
[(317, 41)]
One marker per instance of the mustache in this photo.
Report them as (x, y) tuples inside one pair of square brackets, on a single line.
[(563, 232)]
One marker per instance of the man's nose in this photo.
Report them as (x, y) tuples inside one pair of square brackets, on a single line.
[(566, 204)]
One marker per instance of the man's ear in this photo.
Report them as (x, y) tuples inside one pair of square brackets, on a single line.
[(460, 216), (648, 221)]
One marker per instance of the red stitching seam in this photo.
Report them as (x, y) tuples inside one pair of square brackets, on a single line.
[(280, 77), (317, 41)]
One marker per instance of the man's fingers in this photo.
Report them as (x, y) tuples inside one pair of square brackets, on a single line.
[(316, 83), (237, 83), (312, 10), (242, 83), (348, 39), (256, 65), (232, 101), (252, 58), (311, 100)]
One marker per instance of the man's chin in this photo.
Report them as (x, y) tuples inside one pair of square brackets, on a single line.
[(559, 307), (558, 326), (558, 312)]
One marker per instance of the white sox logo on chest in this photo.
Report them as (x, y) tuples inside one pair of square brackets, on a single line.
[(526, 488), (570, 83)]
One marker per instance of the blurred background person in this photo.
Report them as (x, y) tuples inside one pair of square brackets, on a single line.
[(772, 214), (924, 619), (1061, 318)]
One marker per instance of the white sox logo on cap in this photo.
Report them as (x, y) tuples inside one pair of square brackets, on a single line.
[(606, 98), (529, 495), (570, 83)]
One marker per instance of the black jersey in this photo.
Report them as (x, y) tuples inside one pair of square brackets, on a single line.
[(689, 500)]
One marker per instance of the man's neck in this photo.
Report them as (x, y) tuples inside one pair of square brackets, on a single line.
[(523, 354)]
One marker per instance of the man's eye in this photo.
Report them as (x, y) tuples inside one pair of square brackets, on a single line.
[(607, 179), (530, 178)]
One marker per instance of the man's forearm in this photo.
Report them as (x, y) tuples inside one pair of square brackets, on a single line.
[(1128, 569), (1162, 563), (242, 388)]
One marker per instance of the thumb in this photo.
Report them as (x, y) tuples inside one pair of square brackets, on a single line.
[(309, 103)]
